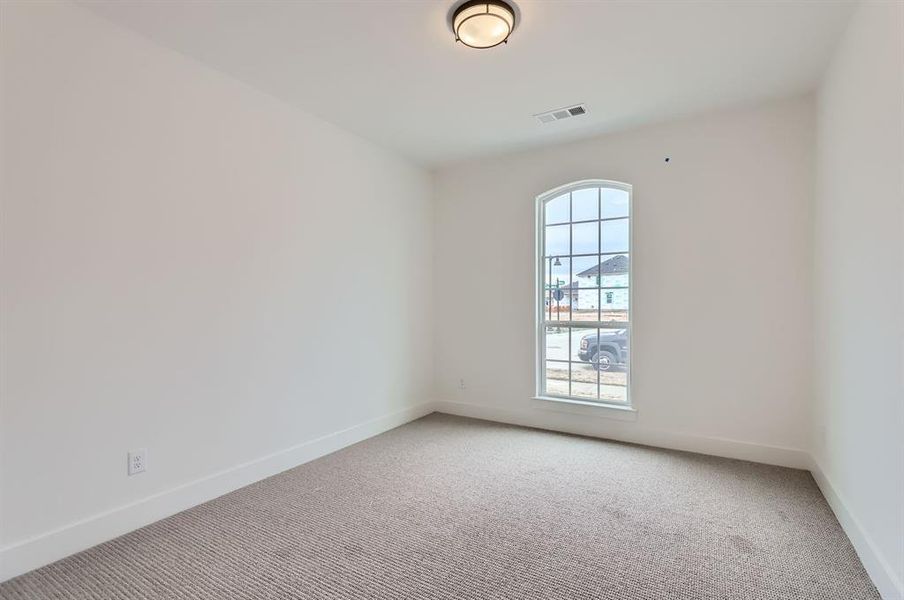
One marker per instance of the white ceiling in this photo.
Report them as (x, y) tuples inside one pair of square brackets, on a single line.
[(391, 72)]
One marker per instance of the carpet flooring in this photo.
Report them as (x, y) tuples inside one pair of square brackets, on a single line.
[(453, 508)]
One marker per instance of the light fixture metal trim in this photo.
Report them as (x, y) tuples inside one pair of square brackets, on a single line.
[(504, 14)]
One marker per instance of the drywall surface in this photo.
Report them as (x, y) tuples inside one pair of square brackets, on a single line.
[(722, 280), (859, 286), (189, 266)]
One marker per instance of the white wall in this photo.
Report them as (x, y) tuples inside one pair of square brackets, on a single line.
[(859, 260), (170, 237), (722, 263)]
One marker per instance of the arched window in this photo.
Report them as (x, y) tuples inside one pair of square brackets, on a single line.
[(584, 291)]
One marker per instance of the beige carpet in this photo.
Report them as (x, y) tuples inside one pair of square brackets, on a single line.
[(446, 507)]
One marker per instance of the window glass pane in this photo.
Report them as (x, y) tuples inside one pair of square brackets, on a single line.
[(615, 236), (614, 300), (557, 378), (585, 295), (583, 341), (613, 270), (585, 306), (585, 273), (557, 240), (614, 377), (585, 238), (557, 210), (615, 394), (556, 340), (556, 272), (609, 351), (557, 300), (554, 309), (584, 292), (615, 203), (585, 205), (583, 381)]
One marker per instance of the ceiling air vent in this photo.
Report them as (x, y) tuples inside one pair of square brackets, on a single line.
[(562, 113)]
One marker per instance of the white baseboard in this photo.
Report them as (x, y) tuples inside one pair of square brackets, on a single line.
[(630, 432), (34, 552), (880, 570)]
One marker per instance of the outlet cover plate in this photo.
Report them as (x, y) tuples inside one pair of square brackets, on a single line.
[(138, 461)]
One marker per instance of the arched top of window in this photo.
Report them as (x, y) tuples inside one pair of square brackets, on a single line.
[(585, 200), (583, 184)]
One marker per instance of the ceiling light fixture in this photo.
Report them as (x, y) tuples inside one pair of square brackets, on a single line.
[(483, 23)]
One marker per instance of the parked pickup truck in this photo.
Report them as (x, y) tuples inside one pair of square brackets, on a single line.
[(606, 352)]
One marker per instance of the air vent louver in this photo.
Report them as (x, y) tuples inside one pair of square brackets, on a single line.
[(561, 113)]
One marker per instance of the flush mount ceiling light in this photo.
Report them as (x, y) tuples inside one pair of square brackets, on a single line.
[(483, 23)]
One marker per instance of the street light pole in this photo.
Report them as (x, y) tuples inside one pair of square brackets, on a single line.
[(549, 289), (556, 294)]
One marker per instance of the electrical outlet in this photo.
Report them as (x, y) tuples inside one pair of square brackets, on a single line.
[(461, 384), (138, 461)]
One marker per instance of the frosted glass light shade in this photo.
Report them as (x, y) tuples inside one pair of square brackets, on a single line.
[(483, 23)]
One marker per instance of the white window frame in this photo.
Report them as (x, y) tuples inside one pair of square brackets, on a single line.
[(540, 295)]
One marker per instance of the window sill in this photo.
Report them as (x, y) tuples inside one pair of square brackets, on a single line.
[(579, 407)]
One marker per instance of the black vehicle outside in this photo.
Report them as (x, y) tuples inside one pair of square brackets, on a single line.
[(607, 352)]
